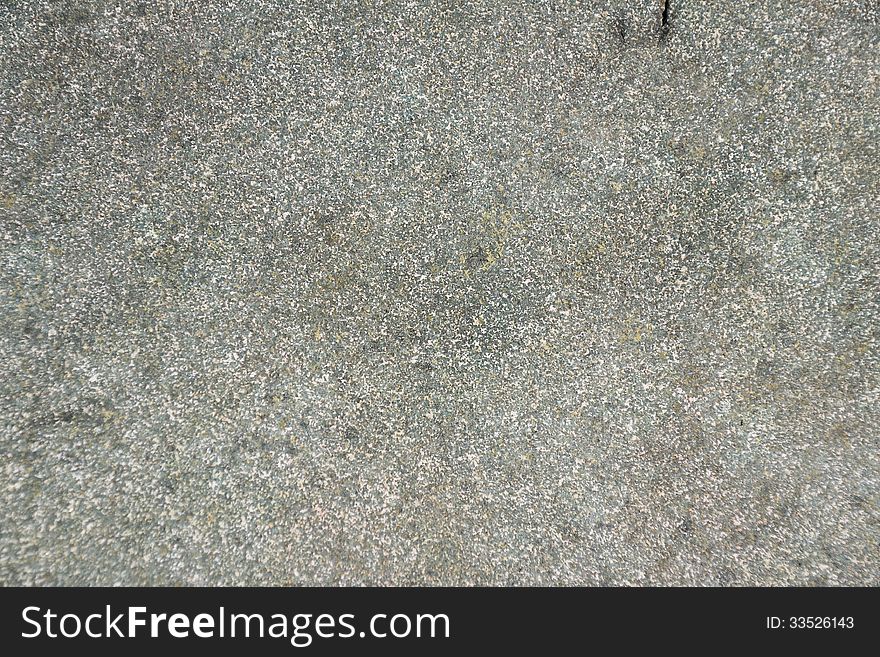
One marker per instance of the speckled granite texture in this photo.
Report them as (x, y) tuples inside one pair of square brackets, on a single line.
[(434, 292)]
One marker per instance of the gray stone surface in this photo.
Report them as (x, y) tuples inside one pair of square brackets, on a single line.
[(428, 292)]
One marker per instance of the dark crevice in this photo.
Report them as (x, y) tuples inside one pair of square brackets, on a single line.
[(665, 11), (620, 28)]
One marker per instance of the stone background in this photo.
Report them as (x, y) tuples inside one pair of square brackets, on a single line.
[(434, 292)]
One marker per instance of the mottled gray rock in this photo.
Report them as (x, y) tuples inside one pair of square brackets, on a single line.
[(435, 292)]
